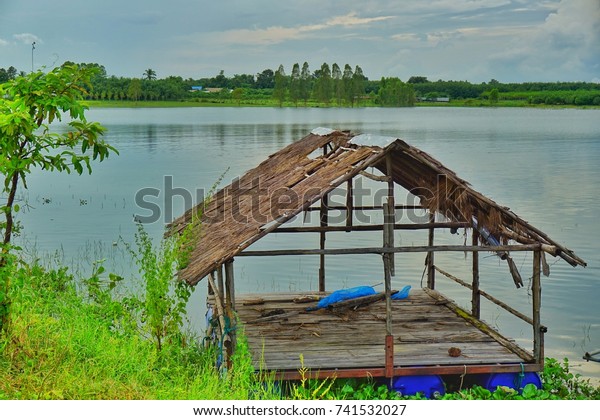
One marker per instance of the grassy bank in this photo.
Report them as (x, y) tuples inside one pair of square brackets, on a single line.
[(267, 103), (68, 340)]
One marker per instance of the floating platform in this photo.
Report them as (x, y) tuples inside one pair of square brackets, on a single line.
[(431, 336)]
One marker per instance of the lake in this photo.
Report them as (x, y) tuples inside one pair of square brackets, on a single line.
[(543, 164)]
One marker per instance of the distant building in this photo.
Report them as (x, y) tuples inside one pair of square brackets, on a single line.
[(196, 88), (432, 99), (213, 90)]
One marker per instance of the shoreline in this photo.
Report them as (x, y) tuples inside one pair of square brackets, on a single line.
[(468, 103)]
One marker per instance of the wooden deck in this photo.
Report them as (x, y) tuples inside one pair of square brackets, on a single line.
[(351, 342)]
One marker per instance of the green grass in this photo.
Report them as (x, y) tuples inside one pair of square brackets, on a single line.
[(61, 345), (508, 102)]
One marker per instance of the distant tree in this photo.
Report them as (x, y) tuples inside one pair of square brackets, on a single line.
[(3, 75), (323, 85), (305, 81), (338, 84), (394, 92), (494, 96), (358, 83), (347, 81), (417, 79), (279, 90), (11, 73), (237, 95), (220, 80), (265, 80), (149, 74), (245, 81), (295, 84), (134, 91)]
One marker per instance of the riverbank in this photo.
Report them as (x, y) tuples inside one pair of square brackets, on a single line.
[(226, 103)]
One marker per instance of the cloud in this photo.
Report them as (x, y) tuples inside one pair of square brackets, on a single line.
[(280, 34), (27, 38), (3, 42), (567, 42), (351, 19), (406, 37)]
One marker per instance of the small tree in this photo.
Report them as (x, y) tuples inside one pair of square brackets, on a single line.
[(494, 96), (280, 88), (28, 105)]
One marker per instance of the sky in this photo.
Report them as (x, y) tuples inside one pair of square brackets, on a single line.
[(474, 40)]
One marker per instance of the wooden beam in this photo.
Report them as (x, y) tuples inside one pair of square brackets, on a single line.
[(366, 228), (430, 255), (536, 291), (489, 297), (221, 284), (323, 222), (230, 311), (229, 285), (383, 250), (349, 205), (364, 208), (379, 372), (220, 311), (475, 296), (375, 177), (388, 266)]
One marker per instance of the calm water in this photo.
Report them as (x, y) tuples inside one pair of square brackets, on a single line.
[(543, 164)]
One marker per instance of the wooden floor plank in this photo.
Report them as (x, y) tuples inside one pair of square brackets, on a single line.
[(424, 330)]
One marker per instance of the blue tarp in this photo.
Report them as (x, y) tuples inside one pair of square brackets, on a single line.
[(353, 293), (345, 294)]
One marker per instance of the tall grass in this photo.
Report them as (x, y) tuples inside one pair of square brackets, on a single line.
[(64, 345)]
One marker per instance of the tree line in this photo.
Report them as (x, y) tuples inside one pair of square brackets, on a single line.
[(327, 85)]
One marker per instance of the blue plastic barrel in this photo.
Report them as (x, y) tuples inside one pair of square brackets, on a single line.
[(516, 381), (431, 386)]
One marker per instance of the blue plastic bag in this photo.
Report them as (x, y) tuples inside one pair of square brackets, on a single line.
[(402, 294)]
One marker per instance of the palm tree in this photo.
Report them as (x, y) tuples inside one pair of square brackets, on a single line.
[(149, 74)]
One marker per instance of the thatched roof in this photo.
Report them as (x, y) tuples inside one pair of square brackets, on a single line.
[(289, 181)]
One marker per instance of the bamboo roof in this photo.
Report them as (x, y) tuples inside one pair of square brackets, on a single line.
[(292, 179)]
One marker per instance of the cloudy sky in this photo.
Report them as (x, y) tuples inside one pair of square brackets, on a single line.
[(475, 40)]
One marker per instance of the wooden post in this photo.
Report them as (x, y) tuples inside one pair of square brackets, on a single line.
[(230, 310), (324, 222), (536, 291), (430, 262), (475, 297), (388, 268), (349, 205), (221, 285)]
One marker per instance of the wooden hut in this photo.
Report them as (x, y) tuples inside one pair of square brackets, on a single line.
[(425, 334)]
